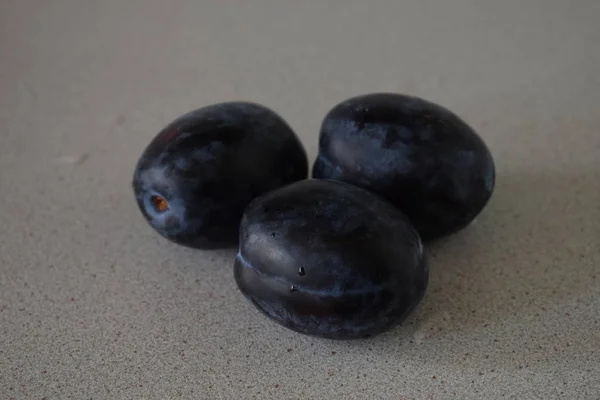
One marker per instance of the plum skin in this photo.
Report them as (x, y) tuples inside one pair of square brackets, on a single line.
[(328, 259), (418, 155), (208, 165)]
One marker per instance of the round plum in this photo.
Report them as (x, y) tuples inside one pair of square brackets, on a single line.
[(418, 155), (329, 259), (196, 177)]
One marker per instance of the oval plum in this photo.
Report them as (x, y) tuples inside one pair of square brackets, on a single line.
[(328, 259), (196, 177), (418, 155)]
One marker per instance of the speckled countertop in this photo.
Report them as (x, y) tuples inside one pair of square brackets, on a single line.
[(94, 305)]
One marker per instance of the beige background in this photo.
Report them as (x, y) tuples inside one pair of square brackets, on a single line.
[(94, 305)]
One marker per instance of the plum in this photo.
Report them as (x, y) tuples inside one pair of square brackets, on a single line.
[(329, 259), (196, 177), (418, 155)]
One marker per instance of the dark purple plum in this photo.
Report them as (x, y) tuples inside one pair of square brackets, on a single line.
[(329, 259), (196, 177), (418, 155)]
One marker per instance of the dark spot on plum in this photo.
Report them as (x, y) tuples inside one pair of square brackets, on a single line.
[(389, 138)]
